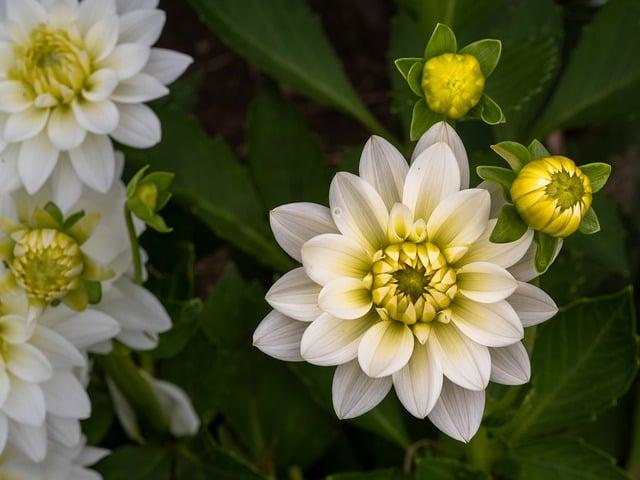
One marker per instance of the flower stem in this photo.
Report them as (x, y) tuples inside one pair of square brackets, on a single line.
[(135, 246)]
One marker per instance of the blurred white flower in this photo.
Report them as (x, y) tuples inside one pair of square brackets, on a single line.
[(400, 285), (72, 75)]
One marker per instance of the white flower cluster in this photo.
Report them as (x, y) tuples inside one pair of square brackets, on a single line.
[(73, 76)]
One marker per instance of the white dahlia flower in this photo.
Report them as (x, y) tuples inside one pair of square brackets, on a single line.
[(400, 286), (72, 75)]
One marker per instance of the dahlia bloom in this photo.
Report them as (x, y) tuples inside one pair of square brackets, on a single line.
[(400, 286), (73, 76)]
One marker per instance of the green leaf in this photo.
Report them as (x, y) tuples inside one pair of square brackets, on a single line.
[(285, 39), (285, 157), (404, 65), (514, 153), (602, 77), (537, 150), (584, 359), (487, 52), (590, 223), (213, 185), (96, 427), (390, 474), (184, 325), (442, 40), (502, 176), (414, 79), (149, 462), (490, 111), (509, 227), (598, 173), (546, 251), (423, 118), (460, 15), (446, 469), (55, 212), (564, 458)]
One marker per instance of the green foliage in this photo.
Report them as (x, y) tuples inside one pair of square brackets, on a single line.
[(515, 154), (442, 41), (510, 227), (598, 174), (446, 469), (590, 223)]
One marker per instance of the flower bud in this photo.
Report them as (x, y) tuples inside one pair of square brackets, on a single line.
[(552, 195), (452, 84)]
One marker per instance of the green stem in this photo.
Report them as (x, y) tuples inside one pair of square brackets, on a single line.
[(480, 451), (633, 460), (135, 246), (120, 367)]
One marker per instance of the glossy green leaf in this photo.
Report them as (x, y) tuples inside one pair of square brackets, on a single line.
[(490, 111), (547, 247), (510, 227), (514, 153), (598, 174), (590, 223), (414, 79), (442, 40), (404, 65), (487, 52), (423, 118), (150, 462), (501, 176), (537, 150)]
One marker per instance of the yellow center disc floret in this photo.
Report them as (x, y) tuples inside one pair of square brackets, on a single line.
[(54, 63), (552, 195), (452, 84), (47, 263)]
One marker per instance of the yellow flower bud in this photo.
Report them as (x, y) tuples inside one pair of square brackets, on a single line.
[(552, 195), (452, 84)]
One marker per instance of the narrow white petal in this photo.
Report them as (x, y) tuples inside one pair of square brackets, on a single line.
[(510, 365), (38, 157), (66, 397), (30, 440), (525, 269), (432, 177), (14, 96), (64, 430), (26, 124), (485, 282), (102, 37), (532, 304), (88, 328), (140, 88), (354, 393), (5, 386), (100, 118), (56, 348), (458, 412), (63, 128), (419, 383), (463, 361), (345, 298), (296, 296), (332, 341), (295, 223), (331, 256), (131, 5), (139, 126), (92, 11), (490, 324), (26, 13), (28, 363), (141, 26), (100, 85), (127, 60), (183, 419), (385, 348), (125, 413), (443, 132), (167, 65), (94, 162), (66, 186), (4, 432), (25, 403), (9, 176), (497, 197), (503, 254), (280, 336), (358, 211), (384, 167)]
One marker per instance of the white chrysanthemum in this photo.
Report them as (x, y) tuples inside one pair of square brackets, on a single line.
[(400, 285), (72, 75)]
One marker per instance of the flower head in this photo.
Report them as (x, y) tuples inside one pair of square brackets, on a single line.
[(74, 74), (400, 285), (552, 195)]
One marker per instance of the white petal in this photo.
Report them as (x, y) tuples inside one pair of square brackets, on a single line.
[(345, 298), (14, 97), (497, 197), (100, 85), (139, 127), (332, 341), (385, 348), (462, 360), (25, 403), (358, 211), (38, 157), (525, 269), (94, 162), (432, 177), (459, 219), (510, 365), (443, 132), (127, 60), (66, 186), (354, 393), (280, 336), (56, 348), (102, 37), (28, 363), (64, 430), (141, 26), (532, 304), (14, 328), (92, 11), (4, 432), (26, 13), (125, 413), (384, 167), (139, 89), (458, 412), (331, 256), (88, 328), (9, 177), (296, 296), (167, 65), (485, 282), (183, 419), (503, 254), (63, 128), (30, 440), (130, 5), (295, 223), (419, 383), (5, 386), (26, 124), (66, 397), (490, 324), (97, 117)]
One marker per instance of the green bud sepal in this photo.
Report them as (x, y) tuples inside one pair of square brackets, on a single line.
[(147, 194)]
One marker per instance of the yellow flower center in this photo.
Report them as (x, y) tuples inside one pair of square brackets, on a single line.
[(412, 283), (46, 263), (54, 63), (452, 84), (552, 195)]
